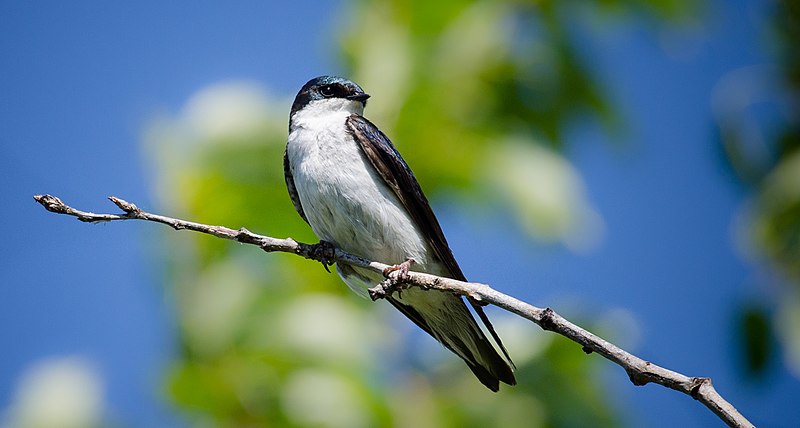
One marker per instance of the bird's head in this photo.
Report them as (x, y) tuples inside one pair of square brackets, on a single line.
[(330, 93)]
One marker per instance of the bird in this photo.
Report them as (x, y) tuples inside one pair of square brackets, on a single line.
[(349, 183)]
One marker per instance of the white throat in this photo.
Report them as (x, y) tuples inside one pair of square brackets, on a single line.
[(329, 107)]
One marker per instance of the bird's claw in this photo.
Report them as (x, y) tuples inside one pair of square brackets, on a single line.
[(392, 284), (323, 252), (402, 269)]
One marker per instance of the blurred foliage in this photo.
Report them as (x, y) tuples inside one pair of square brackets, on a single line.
[(756, 345), (63, 392), (277, 341), (501, 80), (763, 151)]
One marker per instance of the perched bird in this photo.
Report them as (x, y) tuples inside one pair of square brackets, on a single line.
[(349, 183)]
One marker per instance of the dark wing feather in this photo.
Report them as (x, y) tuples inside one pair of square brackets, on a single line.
[(287, 174), (398, 176)]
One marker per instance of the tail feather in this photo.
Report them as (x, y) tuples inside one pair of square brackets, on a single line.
[(445, 317), (485, 319)]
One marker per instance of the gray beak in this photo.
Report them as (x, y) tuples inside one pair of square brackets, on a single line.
[(361, 96)]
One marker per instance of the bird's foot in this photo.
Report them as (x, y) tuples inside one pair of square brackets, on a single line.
[(392, 283), (401, 269), (323, 252)]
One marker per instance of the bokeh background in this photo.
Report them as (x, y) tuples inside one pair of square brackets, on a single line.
[(632, 164)]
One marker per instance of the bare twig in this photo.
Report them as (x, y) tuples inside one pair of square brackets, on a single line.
[(639, 371)]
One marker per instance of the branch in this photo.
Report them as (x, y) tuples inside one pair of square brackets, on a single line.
[(639, 371)]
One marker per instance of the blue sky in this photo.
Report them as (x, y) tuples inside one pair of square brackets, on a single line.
[(80, 81)]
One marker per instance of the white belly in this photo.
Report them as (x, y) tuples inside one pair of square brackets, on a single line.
[(345, 200)]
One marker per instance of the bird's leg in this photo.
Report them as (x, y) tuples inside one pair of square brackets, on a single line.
[(390, 285), (323, 252), (402, 268)]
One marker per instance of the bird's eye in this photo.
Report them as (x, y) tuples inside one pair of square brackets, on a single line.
[(326, 91)]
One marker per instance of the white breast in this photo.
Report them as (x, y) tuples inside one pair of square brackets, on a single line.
[(345, 200)]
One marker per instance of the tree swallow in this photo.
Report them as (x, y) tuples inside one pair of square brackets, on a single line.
[(349, 183)]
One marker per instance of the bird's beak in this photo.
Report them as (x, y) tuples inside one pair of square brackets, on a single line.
[(361, 96)]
